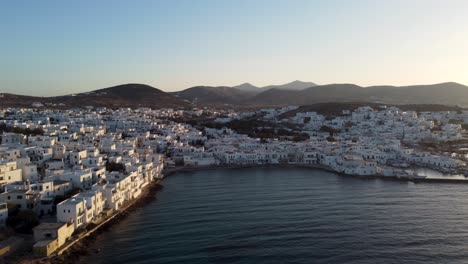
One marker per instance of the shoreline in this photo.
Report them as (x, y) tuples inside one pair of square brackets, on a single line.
[(171, 171), (77, 250)]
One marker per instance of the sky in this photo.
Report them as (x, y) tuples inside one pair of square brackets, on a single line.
[(60, 47)]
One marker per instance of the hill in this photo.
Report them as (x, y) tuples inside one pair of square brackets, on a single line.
[(247, 87), (125, 95), (239, 94), (443, 93), (294, 86), (245, 95), (214, 95), (316, 94)]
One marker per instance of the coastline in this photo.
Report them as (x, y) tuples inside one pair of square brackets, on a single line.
[(171, 171), (77, 249)]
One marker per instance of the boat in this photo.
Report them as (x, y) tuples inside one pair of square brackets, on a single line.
[(404, 165), (417, 177)]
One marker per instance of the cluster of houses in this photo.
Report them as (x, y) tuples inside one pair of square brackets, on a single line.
[(62, 175), (408, 126), (366, 141)]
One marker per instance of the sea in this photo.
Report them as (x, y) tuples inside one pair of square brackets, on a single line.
[(276, 215)]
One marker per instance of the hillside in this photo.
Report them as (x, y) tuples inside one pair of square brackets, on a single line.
[(315, 94), (126, 95), (240, 94), (214, 95), (247, 87), (294, 86), (443, 93), (140, 95)]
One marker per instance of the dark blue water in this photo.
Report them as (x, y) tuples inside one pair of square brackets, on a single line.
[(292, 216)]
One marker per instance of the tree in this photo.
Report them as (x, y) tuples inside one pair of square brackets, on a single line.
[(19, 130), (328, 129), (23, 222), (113, 166), (455, 121), (348, 124)]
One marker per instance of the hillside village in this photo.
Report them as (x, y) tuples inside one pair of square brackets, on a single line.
[(72, 169)]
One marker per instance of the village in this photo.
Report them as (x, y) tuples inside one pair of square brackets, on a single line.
[(63, 171)]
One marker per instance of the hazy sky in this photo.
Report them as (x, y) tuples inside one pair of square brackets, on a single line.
[(59, 47)]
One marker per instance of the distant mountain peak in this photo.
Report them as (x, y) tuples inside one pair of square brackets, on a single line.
[(299, 81), (246, 87), (294, 85)]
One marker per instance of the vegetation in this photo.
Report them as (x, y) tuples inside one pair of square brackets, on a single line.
[(125, 135), (262, 129), (22, 221), (114, 166), (53, 121), (24, 131), (330, 130), (349, 124), (455, 121), (197, 143)]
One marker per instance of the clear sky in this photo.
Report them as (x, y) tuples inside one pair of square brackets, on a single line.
[(60, 47)]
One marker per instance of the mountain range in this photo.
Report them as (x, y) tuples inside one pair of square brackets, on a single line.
[(294, 93), (294, 86)]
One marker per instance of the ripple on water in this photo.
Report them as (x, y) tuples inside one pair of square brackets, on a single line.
[(291, 216)]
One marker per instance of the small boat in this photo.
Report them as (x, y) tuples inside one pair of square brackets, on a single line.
[(417, 177), (404, 165)]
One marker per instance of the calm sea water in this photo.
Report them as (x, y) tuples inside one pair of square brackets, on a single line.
[(292, 216)]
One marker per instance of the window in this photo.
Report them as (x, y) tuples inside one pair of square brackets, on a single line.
[(19, 197)]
